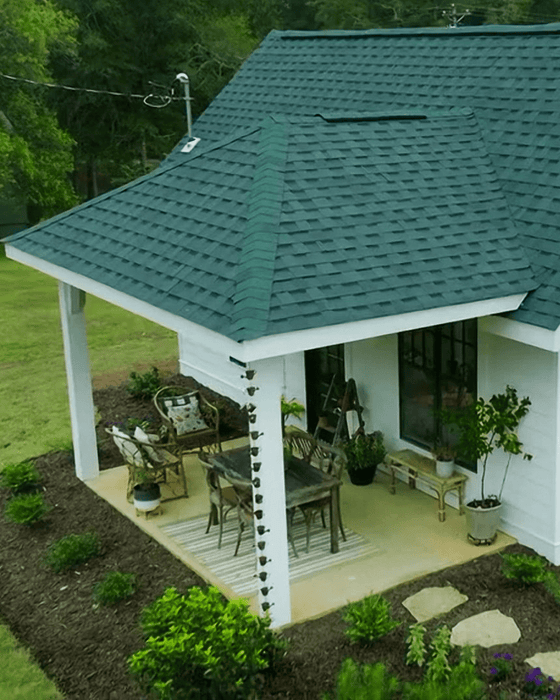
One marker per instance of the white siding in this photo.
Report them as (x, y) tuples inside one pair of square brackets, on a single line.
[(530, 508), (212, 367)]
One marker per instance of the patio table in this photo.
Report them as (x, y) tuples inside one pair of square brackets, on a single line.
[(304, 483)]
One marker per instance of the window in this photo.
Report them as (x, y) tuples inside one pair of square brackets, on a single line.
[(437, 369)]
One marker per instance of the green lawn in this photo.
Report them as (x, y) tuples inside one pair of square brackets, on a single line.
[(20, 677), (34, 414)]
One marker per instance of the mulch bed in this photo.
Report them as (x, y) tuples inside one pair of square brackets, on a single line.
[(84, 650)]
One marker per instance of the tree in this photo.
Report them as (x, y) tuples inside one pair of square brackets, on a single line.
[(138, 49), (35, 153)]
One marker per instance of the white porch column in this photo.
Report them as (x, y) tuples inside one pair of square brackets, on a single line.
[(265, 382), (82, 412)]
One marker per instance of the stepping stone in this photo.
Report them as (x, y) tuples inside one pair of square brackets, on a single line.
[(548, 662), (486, 629), (431, 602)]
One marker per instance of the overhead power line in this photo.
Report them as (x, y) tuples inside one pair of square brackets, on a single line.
[(148, 100)]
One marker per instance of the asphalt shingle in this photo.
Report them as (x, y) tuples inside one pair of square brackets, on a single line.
[(307, 222)]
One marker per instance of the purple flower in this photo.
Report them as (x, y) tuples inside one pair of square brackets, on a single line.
[(508, 657)]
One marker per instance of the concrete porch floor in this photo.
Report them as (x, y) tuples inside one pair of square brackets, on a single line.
[(410, 540)]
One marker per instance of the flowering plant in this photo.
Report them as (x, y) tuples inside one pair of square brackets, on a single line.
[(501, 668), (537, 685)]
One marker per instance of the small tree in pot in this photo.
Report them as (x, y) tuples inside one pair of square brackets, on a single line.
[(364, 451), (483, 427)]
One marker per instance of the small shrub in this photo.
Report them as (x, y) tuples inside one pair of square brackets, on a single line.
[(523, 568), (552, 585), (438, 669), (26, 509), (369, 619), (72, 550), (416, 648), (114, 587), (200, 645), (369, 682), (145, 385), (18, 477), (463, 683)]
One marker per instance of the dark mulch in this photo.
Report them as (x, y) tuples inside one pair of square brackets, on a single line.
[(84, 650)]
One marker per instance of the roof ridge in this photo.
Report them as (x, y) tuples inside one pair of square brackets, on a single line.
[(550, 28), (253, 284)]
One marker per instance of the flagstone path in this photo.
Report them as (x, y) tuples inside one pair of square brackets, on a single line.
[(485, 629)]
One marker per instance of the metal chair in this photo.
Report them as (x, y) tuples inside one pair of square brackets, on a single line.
[(190, 419), (222, 499), (152, 460), (328, 459)]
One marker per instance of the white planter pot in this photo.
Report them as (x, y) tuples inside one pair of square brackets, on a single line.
[(445, 468), (146, 496), (483, 523)]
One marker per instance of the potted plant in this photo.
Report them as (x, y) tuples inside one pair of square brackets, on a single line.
[(146, 494), (483, 427), (364, 451), (444, 456)]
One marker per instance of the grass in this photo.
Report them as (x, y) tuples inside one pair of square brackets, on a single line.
[(20, 677), (34, 414)]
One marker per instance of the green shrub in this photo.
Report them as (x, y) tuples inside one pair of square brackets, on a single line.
[(72, 550), (463, 683), (552, 585), (416, 648), (199, 645), (369, 619), (26, 509), (369, 682), (438, 669), (524, 568), (115, 586), (17, 477), (144, 386)]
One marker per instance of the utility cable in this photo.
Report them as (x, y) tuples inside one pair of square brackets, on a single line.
[(147, 99)]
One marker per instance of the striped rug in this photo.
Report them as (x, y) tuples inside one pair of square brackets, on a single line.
[(239, 572)]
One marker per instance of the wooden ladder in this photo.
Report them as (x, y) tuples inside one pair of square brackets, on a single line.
[(335, 410)]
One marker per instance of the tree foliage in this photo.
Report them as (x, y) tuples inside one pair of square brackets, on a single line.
[(35, 153)]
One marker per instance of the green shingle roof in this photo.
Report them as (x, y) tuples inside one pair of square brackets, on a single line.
[(304, 222), (507, 75)]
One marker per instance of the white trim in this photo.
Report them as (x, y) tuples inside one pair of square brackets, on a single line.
[(296, 341), (194, 331), (522, 332), (282, 343)]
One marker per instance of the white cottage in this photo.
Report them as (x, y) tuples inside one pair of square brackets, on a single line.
[(383, 204)]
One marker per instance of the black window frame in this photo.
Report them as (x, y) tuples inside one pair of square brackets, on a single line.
[(423, 349)]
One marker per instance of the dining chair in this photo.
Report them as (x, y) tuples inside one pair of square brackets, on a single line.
[(189, 418), (245, 513), (328, 459), (144, 456), (222, 499)]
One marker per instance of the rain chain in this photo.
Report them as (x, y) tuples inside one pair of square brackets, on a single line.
[(258, 514)]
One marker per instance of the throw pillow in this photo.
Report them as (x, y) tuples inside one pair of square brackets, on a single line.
[(184, 413)]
